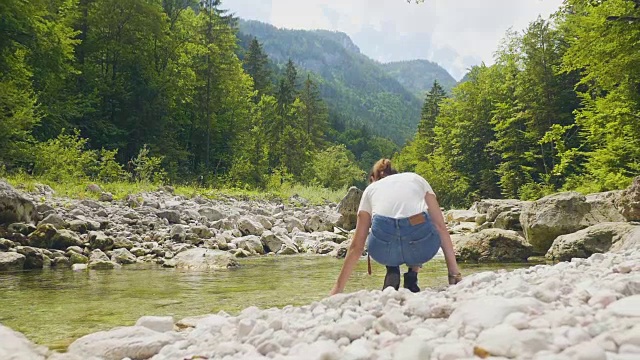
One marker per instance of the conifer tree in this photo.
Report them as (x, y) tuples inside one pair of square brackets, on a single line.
[(256, 64), (315, 114)]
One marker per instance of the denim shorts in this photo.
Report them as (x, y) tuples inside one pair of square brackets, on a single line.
[(393, 242)]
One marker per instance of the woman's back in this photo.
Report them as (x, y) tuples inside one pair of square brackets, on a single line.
[(396, 196)]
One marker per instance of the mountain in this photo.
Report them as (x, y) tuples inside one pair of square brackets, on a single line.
[(356, 88), (418, 75)]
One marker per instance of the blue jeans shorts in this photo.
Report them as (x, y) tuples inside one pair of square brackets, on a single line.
[(393, 242)]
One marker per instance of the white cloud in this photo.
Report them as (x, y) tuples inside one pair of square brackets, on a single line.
[(454, 33)]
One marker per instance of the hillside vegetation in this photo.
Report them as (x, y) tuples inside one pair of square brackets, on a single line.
[(418, 76)]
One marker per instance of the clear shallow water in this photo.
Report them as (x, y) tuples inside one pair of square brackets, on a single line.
[(55, 307)]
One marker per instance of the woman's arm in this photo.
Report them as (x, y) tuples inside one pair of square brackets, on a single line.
[(445, 239), (355, 251)]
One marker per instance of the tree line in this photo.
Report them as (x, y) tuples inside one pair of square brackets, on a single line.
[(559, 110), (159, 83)]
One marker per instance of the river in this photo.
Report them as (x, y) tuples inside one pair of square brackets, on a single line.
[(55, 307)]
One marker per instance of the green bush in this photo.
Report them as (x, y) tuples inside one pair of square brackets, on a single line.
[(64, 159), (279, 179), (334, 168), (108, 169), (148, 168)]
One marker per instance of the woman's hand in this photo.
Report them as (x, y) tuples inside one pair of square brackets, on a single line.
[(354, 252), (335, 290), (455, 278), (445, 239)]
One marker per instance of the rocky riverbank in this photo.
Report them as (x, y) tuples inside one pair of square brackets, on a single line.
[(42, 230), (587, 308), (583, 309)]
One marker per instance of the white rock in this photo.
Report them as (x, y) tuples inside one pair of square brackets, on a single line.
[(629, 349), (320, 350), (603, 298), (585, 351), (156, 323), (531, 342), (15, 346), (629, 337), (629, 306), (136, 342), (412, 348), (79, 267), (452, 351), (386, 323), (622, 356), (360, 349), (488, 311), (518, 320), (499, 340)]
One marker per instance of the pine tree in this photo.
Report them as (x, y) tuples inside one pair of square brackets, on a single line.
[(288, 88), (315, 114), (425, 139), (256, 64)]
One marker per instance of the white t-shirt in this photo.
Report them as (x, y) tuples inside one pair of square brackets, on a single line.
[(396, 196)]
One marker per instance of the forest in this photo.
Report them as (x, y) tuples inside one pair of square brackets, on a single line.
[(170, 91), (558, 110)]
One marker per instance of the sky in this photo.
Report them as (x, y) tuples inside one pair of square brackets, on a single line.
[(456, 34)]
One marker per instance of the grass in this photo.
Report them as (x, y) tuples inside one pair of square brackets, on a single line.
[(120, 189)]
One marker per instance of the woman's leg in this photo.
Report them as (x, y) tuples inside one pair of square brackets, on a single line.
[(411, 278), (392, 278)]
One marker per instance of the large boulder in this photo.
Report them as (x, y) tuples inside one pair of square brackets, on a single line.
[(559, 214), (211, 214), (348, 208), (55, 220), (15, 346), (34, 257), (315, 222), (492, 245), (458, 216), (21, 228), (6, 244), (278, 243), (250, 227), (122, 256), (508, 220), (604, 206), (250, 243), (291, 223), (11, 261), (172, 216), (598, 238), (628, 202), (43, 237), (66, 238), (494, 207), (133, 342), (98, 240), (202, 259), (14, 207)]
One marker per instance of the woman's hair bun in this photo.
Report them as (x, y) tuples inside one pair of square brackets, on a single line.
[(382, 168)]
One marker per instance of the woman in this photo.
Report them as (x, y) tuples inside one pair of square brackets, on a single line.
[(407, 227)]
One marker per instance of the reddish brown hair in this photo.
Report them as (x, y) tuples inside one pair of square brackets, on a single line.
[(382, 168)]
